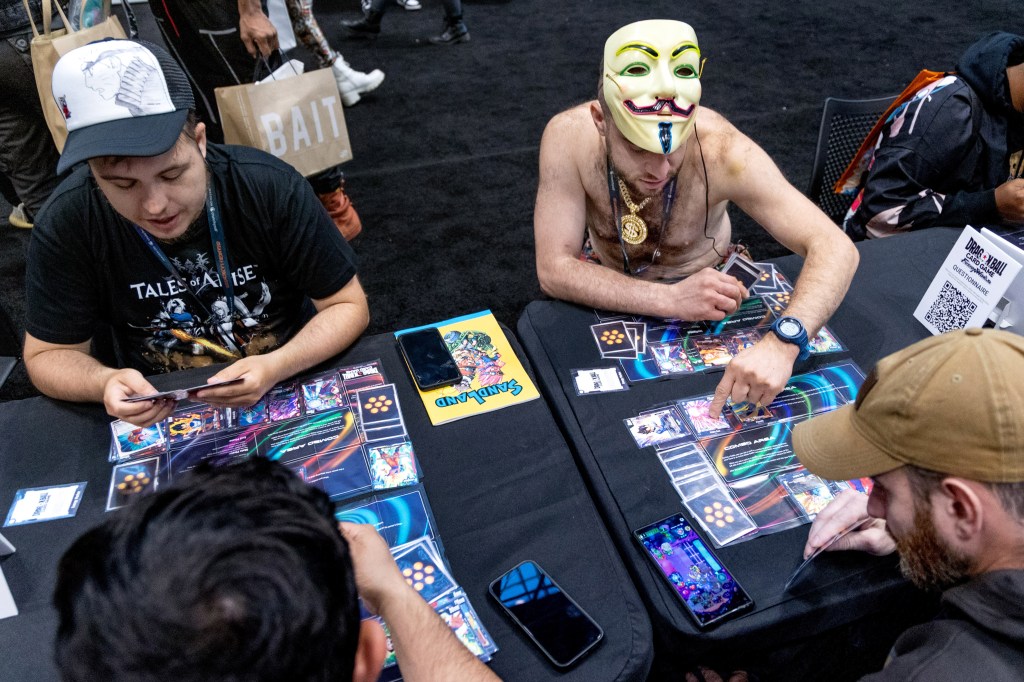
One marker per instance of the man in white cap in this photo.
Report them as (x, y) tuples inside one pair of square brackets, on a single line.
[(192, 252), (631, 207), (939, 427)]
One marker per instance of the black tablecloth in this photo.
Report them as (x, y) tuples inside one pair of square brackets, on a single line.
[(631, 488), (502, 486)]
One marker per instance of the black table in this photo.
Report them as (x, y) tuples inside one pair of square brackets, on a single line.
[(502, 486), (631, 488)]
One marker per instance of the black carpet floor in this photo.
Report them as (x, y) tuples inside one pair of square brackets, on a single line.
[(445, 165)]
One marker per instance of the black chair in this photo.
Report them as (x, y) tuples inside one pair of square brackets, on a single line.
[(844, 125)]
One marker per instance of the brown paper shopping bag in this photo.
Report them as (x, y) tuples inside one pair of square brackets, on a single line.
[(298, 119), (49, 46)]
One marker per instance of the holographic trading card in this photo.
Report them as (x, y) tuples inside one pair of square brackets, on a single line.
[(323, 393)]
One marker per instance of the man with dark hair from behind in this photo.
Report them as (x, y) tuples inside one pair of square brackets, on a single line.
[(241, 573)]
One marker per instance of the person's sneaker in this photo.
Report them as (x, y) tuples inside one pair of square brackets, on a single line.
[(454, 32), (352, 83), (365, 4), (410, 5), (18, 218), (344, 215)]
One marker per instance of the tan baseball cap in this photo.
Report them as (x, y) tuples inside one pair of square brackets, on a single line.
[(952, 403)]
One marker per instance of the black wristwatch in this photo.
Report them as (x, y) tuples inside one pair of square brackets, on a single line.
[(791, 330)]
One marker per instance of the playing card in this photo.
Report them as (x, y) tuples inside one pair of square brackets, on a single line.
[(751, 413), (738, 341), (283, 403), (188, 423), (132, 480), (739, 267), (378, 406), (182, 393), (422, 570), (720, 516), (323, 393), (825, 342), (136, 441), (358, 377), (713, 350), (392, 466), (638, 334), (612, 339), (662, 428), (696, 412), (456, 611), (641, 368), (696, 483), (771, 281), (253, 414), (380, 416), (672, 358), (808, 492), (777, 302)]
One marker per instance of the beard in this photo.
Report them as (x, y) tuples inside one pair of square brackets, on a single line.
[(197, 227), (926, 559)]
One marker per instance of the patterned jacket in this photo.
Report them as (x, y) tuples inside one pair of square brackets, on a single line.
[(942, 153)]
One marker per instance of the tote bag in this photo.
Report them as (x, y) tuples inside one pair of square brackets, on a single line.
[(49, 46), (298, 118)]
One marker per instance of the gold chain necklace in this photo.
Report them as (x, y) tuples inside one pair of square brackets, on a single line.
[(634, 229)]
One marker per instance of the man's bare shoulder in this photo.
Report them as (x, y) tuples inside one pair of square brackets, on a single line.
[(575, 125), (715, 129), (725, 147)]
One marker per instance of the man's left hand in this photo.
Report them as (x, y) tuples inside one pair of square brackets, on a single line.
[(757, 374), (258, 374)]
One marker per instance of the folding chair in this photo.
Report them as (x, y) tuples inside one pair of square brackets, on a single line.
[(844, 125)]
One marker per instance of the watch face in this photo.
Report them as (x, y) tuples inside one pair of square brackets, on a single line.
[(789, 328)]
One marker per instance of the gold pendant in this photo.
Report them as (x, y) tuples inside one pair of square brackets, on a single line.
[(634, 229)]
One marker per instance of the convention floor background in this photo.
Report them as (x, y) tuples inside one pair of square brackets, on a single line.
[(445, 167)]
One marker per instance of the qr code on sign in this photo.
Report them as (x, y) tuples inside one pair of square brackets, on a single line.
[(951, 310)]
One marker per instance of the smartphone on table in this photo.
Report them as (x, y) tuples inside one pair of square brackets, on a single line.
[(706, 588), (428, 359), (551, 618)]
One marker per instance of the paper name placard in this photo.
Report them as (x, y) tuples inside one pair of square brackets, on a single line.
[(969, 285)]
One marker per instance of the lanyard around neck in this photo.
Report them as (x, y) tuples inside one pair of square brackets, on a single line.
[(220, 252), (667, 201)]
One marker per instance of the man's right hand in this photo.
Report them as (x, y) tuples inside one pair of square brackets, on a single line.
[(257, 33), (125, 383), (1010, 200), (840, 514), (378, 578), (706, 295)]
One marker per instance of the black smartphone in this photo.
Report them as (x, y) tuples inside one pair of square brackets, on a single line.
[(703, 584), (428, 359), (550, 617)]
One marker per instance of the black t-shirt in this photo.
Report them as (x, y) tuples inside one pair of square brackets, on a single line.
[(87, 265)]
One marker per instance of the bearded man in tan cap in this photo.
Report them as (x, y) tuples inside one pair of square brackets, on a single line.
[(939, 427)]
